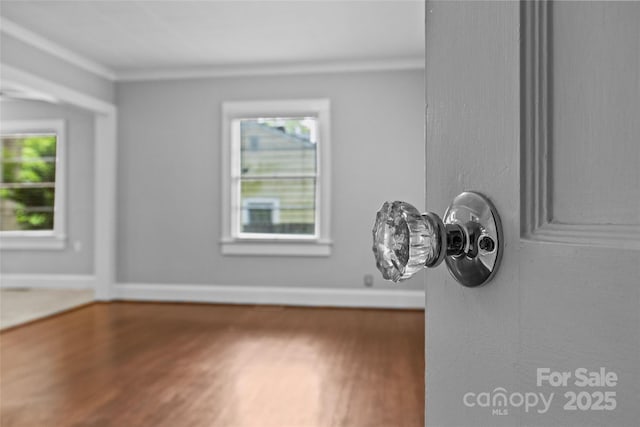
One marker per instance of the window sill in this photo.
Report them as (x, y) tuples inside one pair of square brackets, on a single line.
[(313, 248), (31, 242)]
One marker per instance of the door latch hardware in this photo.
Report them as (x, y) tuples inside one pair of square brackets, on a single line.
[(468, 238)]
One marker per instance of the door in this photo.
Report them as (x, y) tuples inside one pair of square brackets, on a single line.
[(537, 105)]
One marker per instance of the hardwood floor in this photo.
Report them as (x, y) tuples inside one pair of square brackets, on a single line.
[(130, 364)]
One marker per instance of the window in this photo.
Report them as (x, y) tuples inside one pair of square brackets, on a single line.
[(32, 185), (276, 178), (260, 215)]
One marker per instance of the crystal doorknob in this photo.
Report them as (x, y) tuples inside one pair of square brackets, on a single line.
[(469, 239)]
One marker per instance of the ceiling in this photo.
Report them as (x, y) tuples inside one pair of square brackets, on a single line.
[(129, 36)]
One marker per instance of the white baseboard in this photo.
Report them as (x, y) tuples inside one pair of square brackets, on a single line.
[(238, 294), (228, 294), (47, 281)]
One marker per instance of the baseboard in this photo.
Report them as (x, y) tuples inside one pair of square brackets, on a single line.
[(295, 296), (47, 281)]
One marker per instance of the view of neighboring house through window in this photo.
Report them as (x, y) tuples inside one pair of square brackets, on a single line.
[(276, 177), (31, 182), (278, 173)]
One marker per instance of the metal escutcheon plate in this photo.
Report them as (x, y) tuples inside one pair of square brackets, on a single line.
[(475, 266)]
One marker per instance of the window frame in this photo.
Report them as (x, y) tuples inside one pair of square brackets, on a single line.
[(42, 239), (233, 242)]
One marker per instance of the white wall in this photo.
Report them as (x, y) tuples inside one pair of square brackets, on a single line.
[(79, 127), (169, 176)]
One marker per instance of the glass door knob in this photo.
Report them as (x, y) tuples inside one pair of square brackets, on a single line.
[(469, 239)]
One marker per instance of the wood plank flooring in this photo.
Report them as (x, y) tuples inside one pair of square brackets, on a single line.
[(131, 364)]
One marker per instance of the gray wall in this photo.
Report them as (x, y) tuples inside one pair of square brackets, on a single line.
[(80, 172), (27, 58), (169, 185)]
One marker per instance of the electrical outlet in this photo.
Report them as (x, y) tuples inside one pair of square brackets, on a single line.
[(368, 280)]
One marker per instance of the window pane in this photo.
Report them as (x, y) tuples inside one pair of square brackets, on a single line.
[(27, 189), (27, 209), (278, 206), (278, 146)]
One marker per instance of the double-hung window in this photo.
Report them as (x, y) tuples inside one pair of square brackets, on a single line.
[(32, 185), (276, 159)]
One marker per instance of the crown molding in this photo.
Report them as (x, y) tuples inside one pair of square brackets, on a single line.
[(247, 70), (27, 36), (250, 70), (24, 81)]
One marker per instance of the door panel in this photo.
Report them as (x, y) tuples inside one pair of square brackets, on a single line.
[(595, 102), (518, 108)]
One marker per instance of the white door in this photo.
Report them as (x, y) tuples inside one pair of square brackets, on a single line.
[(537, 105)]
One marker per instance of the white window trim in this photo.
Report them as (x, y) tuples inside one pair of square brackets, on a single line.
[(232, 243), (39, 239)]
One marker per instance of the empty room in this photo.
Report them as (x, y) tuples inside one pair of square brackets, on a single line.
[(311, 213)]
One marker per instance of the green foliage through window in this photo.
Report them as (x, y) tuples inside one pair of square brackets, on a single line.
[(27, 190)]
